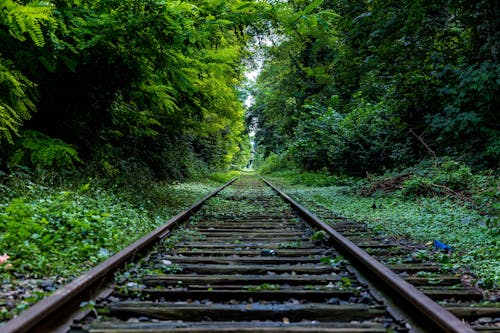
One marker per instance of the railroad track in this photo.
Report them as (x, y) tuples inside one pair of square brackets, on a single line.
[(414, 263), (246, 260)]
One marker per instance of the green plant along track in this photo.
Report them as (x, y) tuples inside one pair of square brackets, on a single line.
[(246, 262), (424, 269)]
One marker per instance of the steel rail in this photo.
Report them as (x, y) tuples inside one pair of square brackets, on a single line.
[(50, 305), (436, 313)]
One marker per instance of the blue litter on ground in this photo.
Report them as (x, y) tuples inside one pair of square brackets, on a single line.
[(442, 246)]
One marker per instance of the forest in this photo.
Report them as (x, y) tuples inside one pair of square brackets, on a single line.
[(128, 110), (348, 83), (159, 84), (123, 84)]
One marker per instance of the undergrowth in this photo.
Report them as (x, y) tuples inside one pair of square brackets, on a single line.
[(224, 177), (65, 229), (444, 178), (56, 229), (442, 201)]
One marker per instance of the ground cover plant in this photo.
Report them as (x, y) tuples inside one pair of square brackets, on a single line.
[(50, 233), (230, 202), (466, 227)]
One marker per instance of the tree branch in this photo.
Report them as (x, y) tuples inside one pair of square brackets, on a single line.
[(419, 137)]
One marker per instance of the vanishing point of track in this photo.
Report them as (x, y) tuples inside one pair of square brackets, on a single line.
[(242, 260)]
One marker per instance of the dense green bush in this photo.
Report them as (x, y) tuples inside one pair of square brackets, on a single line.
[(368, 86), (35, 149), (157, 81), (274, 163), (346, 143), (224, 177), (445, 177), (305, 178)]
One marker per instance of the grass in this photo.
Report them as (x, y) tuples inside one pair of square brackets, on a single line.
[(224, 177), (476, 245), (232, 202), (57, 230)]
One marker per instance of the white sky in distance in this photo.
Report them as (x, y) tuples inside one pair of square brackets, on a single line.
[(251, 77)]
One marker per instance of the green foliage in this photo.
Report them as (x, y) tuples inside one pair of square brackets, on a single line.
[(275, 163), (176, 92), (319, 236), (129, 121), (448, 178), (469, 111), (223, 177), (41, 151), (28, 19), (48, 234), (334, 262), (15, 105), (167, 269), (380, 85), (442, 178), (16, 90), (56, 232), (122, 80), (447, 175), (345, 143), (463, 226), (308, 178)]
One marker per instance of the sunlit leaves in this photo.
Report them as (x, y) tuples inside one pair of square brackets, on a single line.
[(15, 104), (23, 23), (22, 20), (116, 72)]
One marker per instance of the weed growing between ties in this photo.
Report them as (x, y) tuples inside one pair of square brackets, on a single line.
[(472, 234), (231, 202)]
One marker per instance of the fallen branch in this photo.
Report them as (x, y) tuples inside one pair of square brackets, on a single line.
[(419, 137), (453, 193)]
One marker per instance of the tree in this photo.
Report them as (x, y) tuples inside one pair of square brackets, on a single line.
[(406, 70), (19, 25), (132, 79)]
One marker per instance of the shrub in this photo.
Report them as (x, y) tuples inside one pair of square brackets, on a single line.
[(274, 163), (40, 151), (314, 179), (223, 177), (445, 177)]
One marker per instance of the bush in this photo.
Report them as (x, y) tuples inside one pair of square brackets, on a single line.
[(346, 143), (275, 163), (314, 179), (311, 179), (35, 149), (223, 177), (445, 177)]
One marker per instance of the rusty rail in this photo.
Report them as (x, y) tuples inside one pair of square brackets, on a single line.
[(440, 316), (30, 319)]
